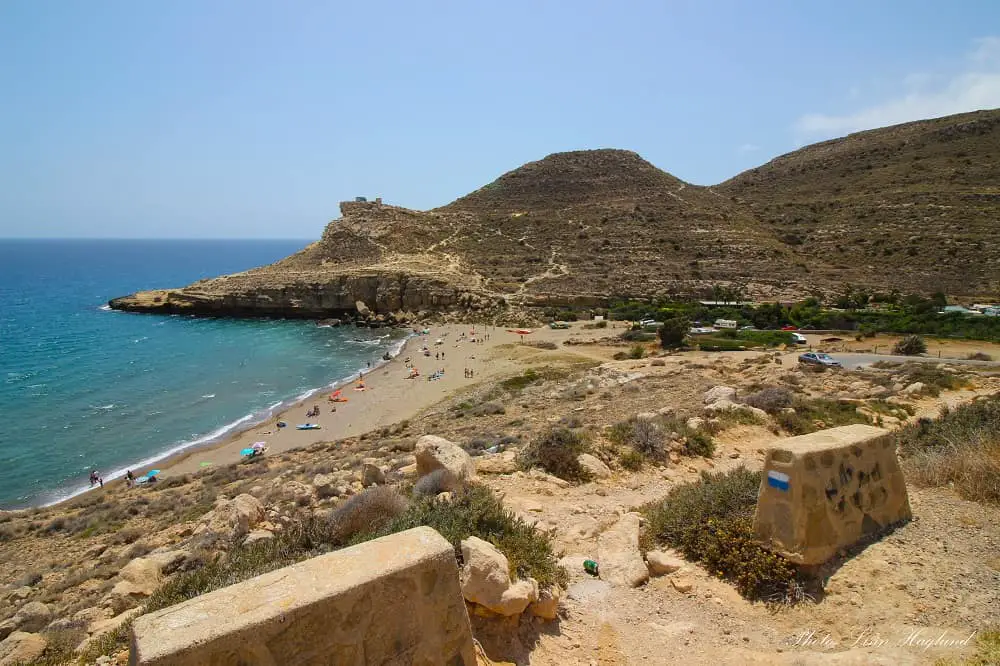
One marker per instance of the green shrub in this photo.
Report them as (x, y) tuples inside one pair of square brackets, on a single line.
[(556, 451), (637, 336), (711, 521), (979, 356), (632, 460), (699, 444), (430, 485), (673, 332), (520, 382), (811, 415), (645, 437), (478, 511), (637, 352), (911, 345)]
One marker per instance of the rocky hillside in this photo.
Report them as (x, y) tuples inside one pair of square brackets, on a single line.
[(914, 206), (911, 207)]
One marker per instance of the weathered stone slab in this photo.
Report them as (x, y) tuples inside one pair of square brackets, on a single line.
[(394, 600), (827, 490)]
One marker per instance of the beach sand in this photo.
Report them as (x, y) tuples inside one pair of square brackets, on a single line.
[(389, 397)]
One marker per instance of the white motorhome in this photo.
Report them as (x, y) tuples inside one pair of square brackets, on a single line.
[(725, 323)]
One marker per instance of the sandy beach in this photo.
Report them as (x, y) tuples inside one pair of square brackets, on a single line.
[(389, 396)]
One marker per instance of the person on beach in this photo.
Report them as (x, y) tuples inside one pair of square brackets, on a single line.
[(93, 477), (100, 480), (129, 479)]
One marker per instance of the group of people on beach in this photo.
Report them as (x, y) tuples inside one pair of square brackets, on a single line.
[(96, 479)]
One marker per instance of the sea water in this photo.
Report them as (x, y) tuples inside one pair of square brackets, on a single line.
[(83, 387)]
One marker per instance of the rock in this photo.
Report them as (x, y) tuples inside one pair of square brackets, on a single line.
[(21, 647), (139, 579), (169, 561), (539, 475), (594, 466), (20, 593), (231, 520), (363, 310), (486, 580), (547, 606), (298, 492), (662, 562), (916, 388), (618, 553), (756, 411), (646, 416), (681, 584), (32, 617), (100, 627), (500, 463), (718, 393), (666, 411), (675, 458), (433, 453), (372, 474), (258, 535), (326, 485), (696, 423), (721, 405), (878, 392)]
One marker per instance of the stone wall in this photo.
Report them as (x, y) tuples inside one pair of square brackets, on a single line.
[(828, 490), (391, 601)]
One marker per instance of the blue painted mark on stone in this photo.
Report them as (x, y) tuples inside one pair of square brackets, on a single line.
[(778, 480)]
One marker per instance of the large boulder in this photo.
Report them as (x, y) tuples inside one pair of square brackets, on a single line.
[(433, 453), (297, 492), (231, 520), (547, 606), (717, 393), (139, 579), (486, 580), (363, 310), (594, 466), (916, 388), (32, 617), (21, 648), (327, 485), (618, 553)]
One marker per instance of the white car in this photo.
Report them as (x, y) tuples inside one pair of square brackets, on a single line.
[(799, 339)]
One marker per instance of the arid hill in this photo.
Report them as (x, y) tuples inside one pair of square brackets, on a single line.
[(912, 207)]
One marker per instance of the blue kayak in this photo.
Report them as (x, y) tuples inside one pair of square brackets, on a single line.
[(307, 426)]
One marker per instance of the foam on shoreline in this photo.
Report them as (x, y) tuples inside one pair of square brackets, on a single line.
[(226, 431)]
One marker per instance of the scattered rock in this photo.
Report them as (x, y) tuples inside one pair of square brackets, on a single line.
[(433, 453), (21, 647), (547, 606), (682, 584), (500, 463), (139, 579), (486, 580), (298, 492), (326, 485), (718, 393), (916, 388), (169, 561), (618, 553), (258, 535), (662, 562), (646, 416), (363, 310), (31, 617), (231, 519), (696, 423), (594, 466), (539, 475)]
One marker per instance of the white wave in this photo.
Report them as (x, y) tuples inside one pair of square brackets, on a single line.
[(208, 395), (105, 308), (105, 408)]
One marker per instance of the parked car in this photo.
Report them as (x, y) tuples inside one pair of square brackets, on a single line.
[(650, 323), (817, 358), (558, 325), (799, 339), (788, 327)]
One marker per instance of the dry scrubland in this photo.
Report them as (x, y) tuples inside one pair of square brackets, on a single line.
[(578, 456)]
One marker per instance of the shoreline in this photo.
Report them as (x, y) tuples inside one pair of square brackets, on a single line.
[(221, 434), (389, 397)]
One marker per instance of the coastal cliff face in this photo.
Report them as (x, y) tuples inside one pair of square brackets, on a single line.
[(911, 208)]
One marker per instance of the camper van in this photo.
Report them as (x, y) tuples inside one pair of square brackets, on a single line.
[(725, 323)]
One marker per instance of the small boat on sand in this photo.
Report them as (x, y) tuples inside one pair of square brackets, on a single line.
[(307, 426)]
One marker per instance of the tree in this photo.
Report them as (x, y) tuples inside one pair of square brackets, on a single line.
[(911, 345), (673, 332)]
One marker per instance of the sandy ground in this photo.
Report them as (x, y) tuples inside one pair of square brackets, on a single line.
[(389, 396)]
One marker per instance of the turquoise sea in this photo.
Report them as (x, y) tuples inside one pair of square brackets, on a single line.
[(82, 387)]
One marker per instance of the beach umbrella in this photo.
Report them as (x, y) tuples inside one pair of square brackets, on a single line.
[(152, 472), (246, 452)]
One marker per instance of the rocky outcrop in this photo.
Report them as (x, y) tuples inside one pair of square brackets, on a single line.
[(31, 617), (21, 648), (486, 580), (618, 553), (230, 520), (434, 453)]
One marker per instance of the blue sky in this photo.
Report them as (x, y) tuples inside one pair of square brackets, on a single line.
[(253, 119)]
